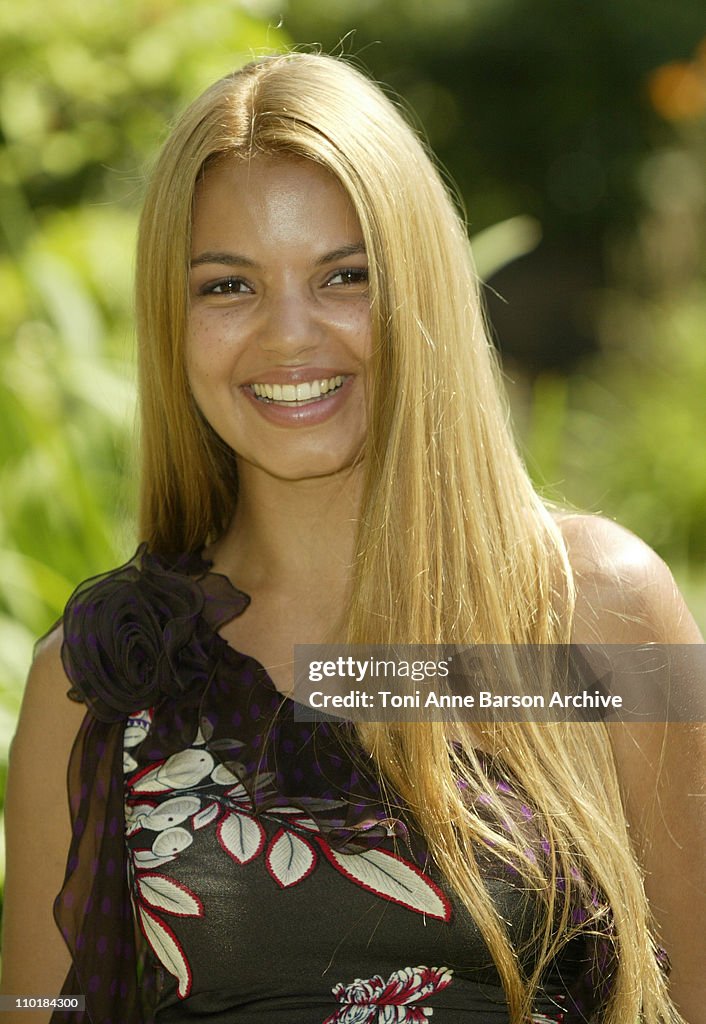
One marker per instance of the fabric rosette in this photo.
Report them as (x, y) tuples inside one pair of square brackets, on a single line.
[(138, 634)]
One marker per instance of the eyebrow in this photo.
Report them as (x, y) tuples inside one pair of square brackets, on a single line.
[(234, 259), (228, 259), (353, 249)]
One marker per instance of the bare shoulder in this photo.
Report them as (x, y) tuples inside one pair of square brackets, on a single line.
[(45, 697), (36, 856), (625, 593)]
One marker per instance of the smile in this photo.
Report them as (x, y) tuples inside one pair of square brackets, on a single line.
[(296, 394)]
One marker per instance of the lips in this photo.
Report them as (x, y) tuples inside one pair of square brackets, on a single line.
[(287, 399), (297, 394)]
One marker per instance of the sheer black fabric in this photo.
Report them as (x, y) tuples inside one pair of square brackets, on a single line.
[(234, 830)]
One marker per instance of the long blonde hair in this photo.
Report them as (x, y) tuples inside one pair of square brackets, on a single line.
[(454, 545)]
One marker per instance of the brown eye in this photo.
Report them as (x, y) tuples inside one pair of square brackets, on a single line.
[(226, 286), (349, 276)]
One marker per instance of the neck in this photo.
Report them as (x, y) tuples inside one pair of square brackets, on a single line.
[(287, 533)]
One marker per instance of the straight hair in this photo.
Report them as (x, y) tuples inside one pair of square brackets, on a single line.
[(453, 546)]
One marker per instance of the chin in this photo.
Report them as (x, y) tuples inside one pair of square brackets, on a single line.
[(314, 468), (296, 475)]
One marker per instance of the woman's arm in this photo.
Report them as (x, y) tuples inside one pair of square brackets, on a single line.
[(35, 960), (626, 595), (662, 771)]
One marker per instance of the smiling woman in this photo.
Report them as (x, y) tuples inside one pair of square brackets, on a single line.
[(326, 458), (279, 323)]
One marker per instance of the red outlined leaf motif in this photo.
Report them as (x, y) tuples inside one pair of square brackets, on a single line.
[(290, 859), (165, 894), (140, 804), (307, 823), (167, 948), (146, 781), (241, 836), (389, 876), (239, 795)]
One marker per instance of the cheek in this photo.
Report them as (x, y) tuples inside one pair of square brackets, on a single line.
[(196, 369), (207, 350), (357, 328), (202, 372)]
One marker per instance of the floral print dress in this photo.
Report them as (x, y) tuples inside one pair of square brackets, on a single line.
[(267, 880)]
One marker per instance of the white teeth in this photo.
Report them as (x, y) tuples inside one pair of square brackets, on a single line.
[(296, 394)]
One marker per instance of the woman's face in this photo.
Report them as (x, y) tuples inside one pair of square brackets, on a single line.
[(279, 325)]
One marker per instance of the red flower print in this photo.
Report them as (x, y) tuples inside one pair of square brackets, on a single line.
[(395, 1001)]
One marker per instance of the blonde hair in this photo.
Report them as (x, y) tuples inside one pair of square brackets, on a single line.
[(454, 544)]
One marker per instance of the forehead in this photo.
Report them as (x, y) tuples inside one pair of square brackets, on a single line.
[(274, 200)]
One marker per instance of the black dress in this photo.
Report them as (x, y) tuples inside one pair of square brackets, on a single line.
[(270, 881)]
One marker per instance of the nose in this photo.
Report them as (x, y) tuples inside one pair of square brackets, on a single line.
[(289, 327)]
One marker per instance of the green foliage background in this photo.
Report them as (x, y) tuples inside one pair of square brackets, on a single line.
[(86, 94)]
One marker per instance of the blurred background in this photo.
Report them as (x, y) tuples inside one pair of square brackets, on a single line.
[(576, 134)]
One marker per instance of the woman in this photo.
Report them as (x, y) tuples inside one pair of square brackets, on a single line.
[(326, 458)]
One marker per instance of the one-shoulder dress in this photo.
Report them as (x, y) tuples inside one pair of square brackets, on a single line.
[(231, 863)]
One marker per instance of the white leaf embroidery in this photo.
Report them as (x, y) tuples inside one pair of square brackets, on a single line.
[(307, 823), (171, 841), (289, 859), (389, 876), (223, 776), (147, 859), (199, 738), (149, 783), (239, 795), (205, 817), (165, 894), (263, 781), (297, 817), (185, 769), (241, 836), (166, 948), (171, 812)]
